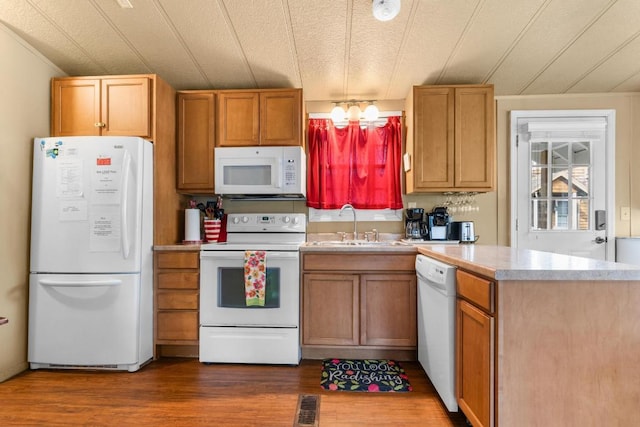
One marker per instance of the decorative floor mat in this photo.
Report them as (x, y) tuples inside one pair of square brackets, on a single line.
[(363, 375)]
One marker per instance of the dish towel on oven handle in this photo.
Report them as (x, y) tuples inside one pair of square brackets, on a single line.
[(255, 277)]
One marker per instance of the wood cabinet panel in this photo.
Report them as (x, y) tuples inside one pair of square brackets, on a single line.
[(177, 280), (474, 138), (126, 107), (330, 309), (476, 289), (474, 363), (434, 148), (359, 262), (388, 310), (177, 300), (177, 326), (196, 142), (75, 107), (175, 259), (239, 119), (281, 118)]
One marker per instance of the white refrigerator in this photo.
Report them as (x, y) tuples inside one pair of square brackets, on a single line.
[(91, 279)]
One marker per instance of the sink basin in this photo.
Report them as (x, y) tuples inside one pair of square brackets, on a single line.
[(356, 243)]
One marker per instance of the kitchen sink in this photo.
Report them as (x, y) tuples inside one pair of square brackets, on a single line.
[(356, 243)]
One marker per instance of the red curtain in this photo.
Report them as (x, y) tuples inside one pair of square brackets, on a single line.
[(354, 165)]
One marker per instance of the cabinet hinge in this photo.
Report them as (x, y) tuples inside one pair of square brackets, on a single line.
[(516, 224), (517, 141)]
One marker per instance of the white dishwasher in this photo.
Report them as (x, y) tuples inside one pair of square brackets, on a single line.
[(436, 325)]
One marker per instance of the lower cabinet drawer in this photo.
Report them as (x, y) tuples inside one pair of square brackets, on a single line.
[(177, 300), (177, 325)]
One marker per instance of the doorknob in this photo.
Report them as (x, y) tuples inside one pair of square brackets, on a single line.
[(600, 240)]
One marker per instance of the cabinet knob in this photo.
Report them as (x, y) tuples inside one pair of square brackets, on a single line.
[(100, 124)]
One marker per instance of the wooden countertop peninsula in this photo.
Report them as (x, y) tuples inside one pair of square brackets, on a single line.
[(567, 347)]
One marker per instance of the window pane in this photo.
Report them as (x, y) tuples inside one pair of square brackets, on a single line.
[(539, 215), (582, 213), (560, 183), (560, 153), (580, 181), (539, 153), (581, 153), (539, 179), (560, 217)]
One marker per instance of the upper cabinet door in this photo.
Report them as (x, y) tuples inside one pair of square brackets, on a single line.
[(126, 107), (281, 117), (75, 108), (196, 127), (433, 142), (239, 119), (474, 138)]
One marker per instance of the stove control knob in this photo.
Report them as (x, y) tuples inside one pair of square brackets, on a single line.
[(295, 220), (245, 219), (236, 220), (286, 219)]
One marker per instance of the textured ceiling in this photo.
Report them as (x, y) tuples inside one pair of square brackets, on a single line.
[(335, 49)]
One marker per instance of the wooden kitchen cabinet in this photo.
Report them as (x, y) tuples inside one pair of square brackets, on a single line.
[(451, 138), (331, 309), (475, 344), (196, 142), (176, 305), (259, 117), (110, 106), (359, 305)]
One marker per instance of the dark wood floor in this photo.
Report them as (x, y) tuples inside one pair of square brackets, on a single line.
[(185, 392)]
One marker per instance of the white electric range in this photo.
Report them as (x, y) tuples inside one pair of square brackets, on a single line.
[(230, 330)]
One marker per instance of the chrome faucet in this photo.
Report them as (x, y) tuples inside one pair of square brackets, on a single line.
[(348, 206)]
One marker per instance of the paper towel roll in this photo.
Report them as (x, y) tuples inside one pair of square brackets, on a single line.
[(192, 225)]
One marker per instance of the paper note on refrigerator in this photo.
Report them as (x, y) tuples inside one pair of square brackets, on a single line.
[(69, 178), (106, 180), (105, 229)]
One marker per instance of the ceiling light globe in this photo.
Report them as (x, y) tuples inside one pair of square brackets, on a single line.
[(385, 10), (338, 114), (353, 113), (371, 113)]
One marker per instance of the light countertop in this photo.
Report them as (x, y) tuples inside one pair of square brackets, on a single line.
[(506, 263)]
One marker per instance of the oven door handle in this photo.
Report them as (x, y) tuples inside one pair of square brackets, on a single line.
[(239, 255)]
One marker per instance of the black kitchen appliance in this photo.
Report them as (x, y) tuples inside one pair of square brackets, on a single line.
[(439, 223), (415, 226)]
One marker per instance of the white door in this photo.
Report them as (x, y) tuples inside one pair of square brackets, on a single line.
[(87, 204), (562, 193)]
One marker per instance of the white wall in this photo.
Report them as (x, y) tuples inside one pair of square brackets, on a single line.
[(24, 114)]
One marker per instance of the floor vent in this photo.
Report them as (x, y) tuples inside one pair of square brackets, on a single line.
[(307, 413)]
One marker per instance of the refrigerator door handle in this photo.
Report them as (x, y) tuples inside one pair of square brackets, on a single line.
[(83, 283), (126, 169)]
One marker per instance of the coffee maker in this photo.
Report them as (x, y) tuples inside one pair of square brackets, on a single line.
[(415, 227), (439, 223)]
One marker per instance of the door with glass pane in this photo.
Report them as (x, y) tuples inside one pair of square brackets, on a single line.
[(560, 184)]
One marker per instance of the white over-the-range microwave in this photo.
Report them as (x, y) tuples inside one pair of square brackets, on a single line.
[(261, 171)]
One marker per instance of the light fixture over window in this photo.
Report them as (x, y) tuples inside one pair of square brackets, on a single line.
[(385, 10), (353, 112)]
